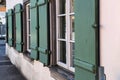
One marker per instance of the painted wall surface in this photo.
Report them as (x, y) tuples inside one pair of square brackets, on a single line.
[(11, 3), (110, 38), (32, 70)]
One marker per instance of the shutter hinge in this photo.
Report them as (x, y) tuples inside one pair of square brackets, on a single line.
[(21, 10), (48, 51), (12, 39), (22, 43), (37, 28), (101, 73), (95, 25), (36, 48)]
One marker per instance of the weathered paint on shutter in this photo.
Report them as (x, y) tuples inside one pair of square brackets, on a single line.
[(85, 53), (6, 27), (10, 27), (19, 27), (34, 29), (43, 32)]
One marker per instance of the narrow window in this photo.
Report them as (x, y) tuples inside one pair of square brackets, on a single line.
[(28, 26), (65, 33)]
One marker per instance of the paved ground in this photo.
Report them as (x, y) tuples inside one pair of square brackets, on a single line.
[(7, 70)]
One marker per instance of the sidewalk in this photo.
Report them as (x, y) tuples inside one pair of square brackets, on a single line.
[(7, 70)]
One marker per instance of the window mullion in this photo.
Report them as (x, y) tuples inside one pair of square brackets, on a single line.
[(68, 33), (57, 31)]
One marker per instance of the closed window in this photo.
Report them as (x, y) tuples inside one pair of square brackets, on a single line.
[(28, 26), (65, 33)]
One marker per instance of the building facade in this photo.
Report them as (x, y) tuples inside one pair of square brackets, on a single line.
[(64, 39)]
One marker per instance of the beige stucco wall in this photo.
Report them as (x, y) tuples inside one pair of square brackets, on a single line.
[(109, 41), (110, 38), (31, 70)]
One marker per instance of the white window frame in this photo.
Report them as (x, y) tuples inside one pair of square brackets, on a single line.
[(67, 37), (28, 27)]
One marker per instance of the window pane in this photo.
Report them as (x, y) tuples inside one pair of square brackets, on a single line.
[(62, 6), (29, 33), (62, 26), (71, 5), (72, 52), (28, 11), (72, 28), (62, 50)]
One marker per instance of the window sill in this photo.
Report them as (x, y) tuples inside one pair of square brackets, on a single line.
[(59, 73)]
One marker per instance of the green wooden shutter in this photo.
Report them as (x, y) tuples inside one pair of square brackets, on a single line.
[(34, 29), (86, 62), (6, 27), (19, 27), (10, 27), (43, 32)]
